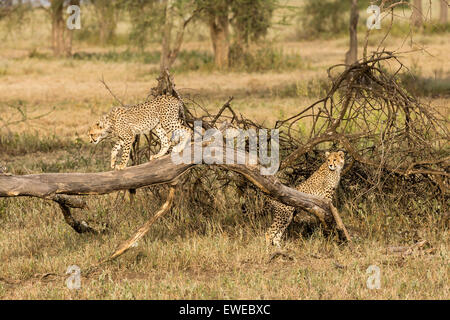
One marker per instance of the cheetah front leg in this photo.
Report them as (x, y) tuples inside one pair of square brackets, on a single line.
[(114, 152), (164, 141), (127, 142), (283, 215)]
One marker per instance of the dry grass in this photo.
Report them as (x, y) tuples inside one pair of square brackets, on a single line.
[(186, 255), (222, 256)]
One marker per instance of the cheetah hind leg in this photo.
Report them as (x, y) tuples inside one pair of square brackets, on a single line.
[(162, 135), (282, 218)]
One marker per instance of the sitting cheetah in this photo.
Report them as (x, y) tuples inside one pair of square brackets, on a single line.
[(161, 114), (322, 183)]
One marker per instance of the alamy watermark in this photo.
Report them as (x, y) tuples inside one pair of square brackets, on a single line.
[(74, 11), (374, 279), (248, 147), (74, 280), (74, 19), (374, 20)]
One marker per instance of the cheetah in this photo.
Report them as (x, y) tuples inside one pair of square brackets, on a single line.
[(161, 114), (322, 183)]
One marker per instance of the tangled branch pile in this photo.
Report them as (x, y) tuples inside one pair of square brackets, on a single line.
[(397, 147)]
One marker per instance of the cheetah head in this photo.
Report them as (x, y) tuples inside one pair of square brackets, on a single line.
[(335, 160), (99, 130)]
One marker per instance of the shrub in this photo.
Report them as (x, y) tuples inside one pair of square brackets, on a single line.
[(263, 59), (194, 60), (325, 18), (21, 144), (422, 86), (122, 56)]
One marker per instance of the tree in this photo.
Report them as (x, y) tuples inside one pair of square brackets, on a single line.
[(58, 27), (216, 15), (162, 21), (61, 35), (107, 15), (167, 20), (443, 13), (171, 47), (147, 19), (352, 54), (324, 17), (6, 7), (249, 19), (69, 33), (14, 12), (416, 16)]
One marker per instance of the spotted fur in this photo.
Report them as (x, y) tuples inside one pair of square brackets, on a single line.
[(322, 183), (161, 114)]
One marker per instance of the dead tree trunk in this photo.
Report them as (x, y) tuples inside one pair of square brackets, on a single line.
[(352, 54), (51, 185)]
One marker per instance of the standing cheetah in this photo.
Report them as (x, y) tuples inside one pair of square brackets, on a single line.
[(322, 183), (161, 114)]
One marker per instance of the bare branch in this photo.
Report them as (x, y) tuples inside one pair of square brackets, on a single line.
[(114, 96)]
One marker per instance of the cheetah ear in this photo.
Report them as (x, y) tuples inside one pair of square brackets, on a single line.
[(327, 154), (341, 154)]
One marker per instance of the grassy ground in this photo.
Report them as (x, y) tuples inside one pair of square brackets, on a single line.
[(220, 256), (187, 255)]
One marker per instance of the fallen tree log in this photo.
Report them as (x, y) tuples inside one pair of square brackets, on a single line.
[(52, 186)]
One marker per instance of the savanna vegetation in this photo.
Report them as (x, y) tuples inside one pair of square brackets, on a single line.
[(272, 56)]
